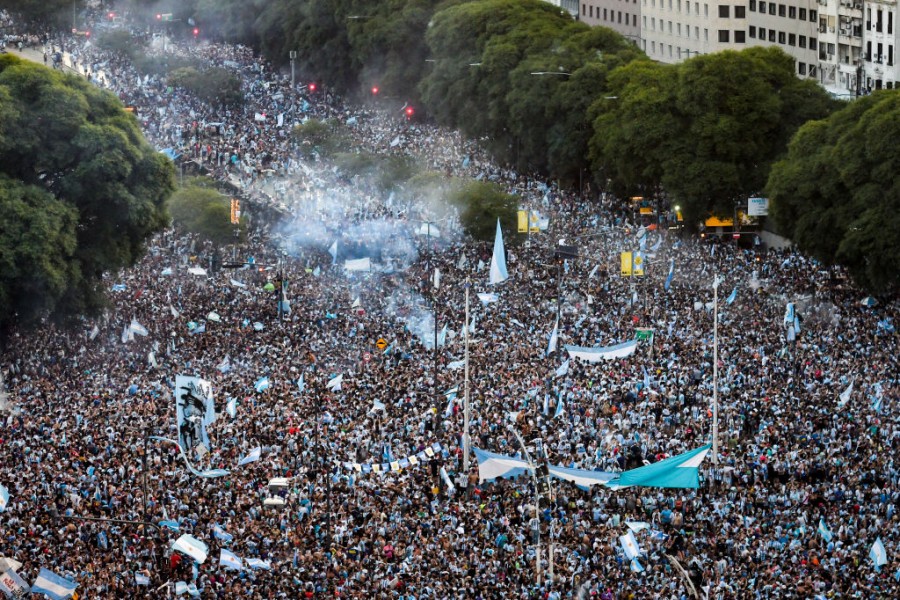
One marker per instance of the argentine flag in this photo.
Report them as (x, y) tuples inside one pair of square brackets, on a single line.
[(670, 276), (53, 585), (732, 296), (677, 472), (255, 563), (824, 531), (878, 554), (563, 369), (141, 579), (4, 498), (253, 456), (301, 385), (231, 407), (560, 407), (498, 272), (230, 560), (220, 534), (629, 545), (262, 384), (554, 339)]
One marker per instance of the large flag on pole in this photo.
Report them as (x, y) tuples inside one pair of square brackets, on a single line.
[(499, 273), (554, 339), (677, 472)]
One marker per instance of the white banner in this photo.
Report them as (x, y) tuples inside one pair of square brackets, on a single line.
[(13, 585), (359, 264), (592, 355), (194, 410)]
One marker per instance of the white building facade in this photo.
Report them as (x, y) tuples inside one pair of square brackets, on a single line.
[(879, 50)]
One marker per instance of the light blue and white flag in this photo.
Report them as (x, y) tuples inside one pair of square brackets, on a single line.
[(220, 534), (208, 474), (878, 554), (670, 276), (546, 405), (141, 579), (593, 355), (377, 405), (456, 364), (845, 395), (255, 563), (677, 472), (4, 498), (334, 384), (169, 524), (732, 296), (824, 531), (554, 339), (630, 545), (231, 407), (498, 273), (53, 585), (301, 385), (563, 369), (449, 410), (138, 328), (252, 456), (262, 384), (180, 588), (192, 547), (637, 526), (230, 560), (560, 407), (488, 298), (442, 337), (789, 315), (636, 566), (333, 251)]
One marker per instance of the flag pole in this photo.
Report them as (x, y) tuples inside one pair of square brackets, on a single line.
[(715, 423), (466, 402)]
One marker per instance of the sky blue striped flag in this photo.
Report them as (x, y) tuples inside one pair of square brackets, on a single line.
[(824, 531), (670, 276), (230, 560), (878, 554), (732, 296), (677, 472), (53, 585)]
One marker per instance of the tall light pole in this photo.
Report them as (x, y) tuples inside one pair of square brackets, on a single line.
[(537, 505), (293, 55), (466, 397), (715, 423)]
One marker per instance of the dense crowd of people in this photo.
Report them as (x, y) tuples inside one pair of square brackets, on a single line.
[(796, 449)]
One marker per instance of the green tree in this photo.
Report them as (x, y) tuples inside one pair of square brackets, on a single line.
[(75, 142), (321, 138), (835, 193), (120, 42), (214, 84), (201, 210), (480, 204)]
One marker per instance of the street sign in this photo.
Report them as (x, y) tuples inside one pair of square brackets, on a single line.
[(367, 357), (381, 344), (235, 211)]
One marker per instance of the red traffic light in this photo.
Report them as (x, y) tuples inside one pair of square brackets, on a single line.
[(375, 90), (112, 15), (312, 87), (159, 17), (196, 32), (410, 111)]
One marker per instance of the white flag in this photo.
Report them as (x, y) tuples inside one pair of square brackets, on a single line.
[(334, 384), (333, 251), (175, 313), (252, 456), (437, 278), (554, 339), (563, 369), (498, 273)]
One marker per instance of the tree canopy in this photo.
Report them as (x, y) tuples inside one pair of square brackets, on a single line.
[(836, 194), (73, 157), (200, 209), (706, 130)]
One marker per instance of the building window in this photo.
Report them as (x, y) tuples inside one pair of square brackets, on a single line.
[(739, 36), (812, 43), (645, 22), (801, 41), (752, 31), (724, 35), (782, 10), (687, 7), (762, 7), (740, 12), (679, 32), (653, 23), (781, 37), (792, 12), (762, 33), (696, 33), (801, 68), (752, 5), (583, 9), (772, 8), (653, 47), (792, 39), (724, 11), (890, 56), (813, 16), (679, 10), (706, 10), (620, 16), (772, 35), (604, 14), (890, 22), (670, 27), (802, 14), (670, 50), (706, 35)]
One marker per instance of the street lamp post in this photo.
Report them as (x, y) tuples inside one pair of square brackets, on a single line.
[(715, 423), (537, 505)]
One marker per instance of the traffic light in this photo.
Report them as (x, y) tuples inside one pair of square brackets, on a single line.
[(410, 111), (196, 31), (375, 90), (311, 87), (158, 17)]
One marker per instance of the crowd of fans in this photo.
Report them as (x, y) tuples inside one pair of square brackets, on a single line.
[(80, 406)]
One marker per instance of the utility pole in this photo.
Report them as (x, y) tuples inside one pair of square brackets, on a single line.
[(537, 506), (715, 424), (466, 401)]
